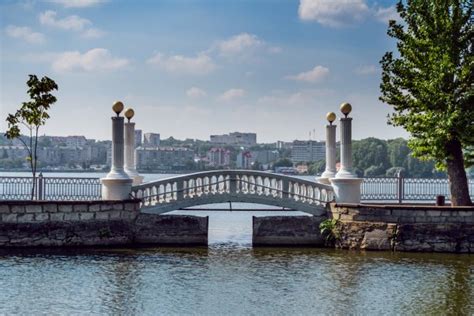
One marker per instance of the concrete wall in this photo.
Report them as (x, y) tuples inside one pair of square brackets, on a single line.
[(93, 223), (287, 231), (405, 228)]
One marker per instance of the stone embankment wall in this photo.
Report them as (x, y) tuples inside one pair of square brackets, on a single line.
[(287, 231), (404, 227), (93, 223)]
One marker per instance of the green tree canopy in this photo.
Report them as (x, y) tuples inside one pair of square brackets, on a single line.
[(430, 84)]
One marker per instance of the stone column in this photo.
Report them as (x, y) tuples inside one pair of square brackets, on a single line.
[(130, 149), (346, 184), (330, 170), (117, 184)]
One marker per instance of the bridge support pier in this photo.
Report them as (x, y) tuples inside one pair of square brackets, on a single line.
[(117, 185), (346, 184)]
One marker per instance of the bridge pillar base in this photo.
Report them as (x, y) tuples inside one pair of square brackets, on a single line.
[(323, 180), (116, 189), (346, 190)]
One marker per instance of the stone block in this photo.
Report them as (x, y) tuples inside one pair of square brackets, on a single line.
[(398, 212), (130, 206), (465, 213), (448, 213), (94, 208), (346, 217), (80, 208), (71, 216), (65, 208), (25, 218), (4, 209), (377, 239), (9, 218), (102, 215), (50, 208), (128, 215), (423, 219), (406, 219), (114, 215), (56, 216), (87, 216), (17, 209), (40, 217), (33, 208), (433, 213)]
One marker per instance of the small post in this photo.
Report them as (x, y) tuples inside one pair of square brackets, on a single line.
[(400, 187), (117, 185), (40, 187)]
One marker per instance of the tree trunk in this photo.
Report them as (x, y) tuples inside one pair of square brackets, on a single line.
[(457, 175)]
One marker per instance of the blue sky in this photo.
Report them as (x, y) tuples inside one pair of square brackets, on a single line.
[(195, 68)]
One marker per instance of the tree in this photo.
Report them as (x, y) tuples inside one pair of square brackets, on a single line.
[(283, 162), (370, 152), (430, 85), (32, 115)]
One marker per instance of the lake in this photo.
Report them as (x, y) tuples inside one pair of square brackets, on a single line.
[(231, 278)]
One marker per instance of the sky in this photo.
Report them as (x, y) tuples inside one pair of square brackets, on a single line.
[(190, 69)]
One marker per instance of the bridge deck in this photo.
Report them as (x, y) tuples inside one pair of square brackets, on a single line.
[(223, 186)]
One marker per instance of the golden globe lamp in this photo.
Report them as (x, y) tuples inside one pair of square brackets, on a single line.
[(129, 113), (117, 107), (345, 108), (331, 117)]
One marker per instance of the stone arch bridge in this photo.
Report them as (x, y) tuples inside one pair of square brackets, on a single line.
[(223, 186)]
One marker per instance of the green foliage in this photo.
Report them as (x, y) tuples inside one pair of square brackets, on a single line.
[(371, 153), (329, 229), (32, 115), (430, 83), (283, 162), (317, 167)]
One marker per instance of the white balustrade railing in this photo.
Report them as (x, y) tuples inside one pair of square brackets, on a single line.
[(234, 183)]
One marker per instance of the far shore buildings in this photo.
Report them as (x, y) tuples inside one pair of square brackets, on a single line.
[(235, 139), (308, 151), (218, 157), (163, 158)]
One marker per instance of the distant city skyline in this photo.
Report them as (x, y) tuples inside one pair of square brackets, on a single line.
[(194, 69)]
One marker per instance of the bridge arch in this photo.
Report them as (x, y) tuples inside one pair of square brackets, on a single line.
[(222, 186)]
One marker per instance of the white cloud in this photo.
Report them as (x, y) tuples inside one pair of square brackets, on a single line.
[(231, 94), (77, 3), (386, 14), (366, 70), (338, 13), (317, 74), (178, 64), (274, 50), (97, 59), (93, 33), (72, 22), (239, 43), (284, 99), (24, 33), (196, 93), (333, 13)]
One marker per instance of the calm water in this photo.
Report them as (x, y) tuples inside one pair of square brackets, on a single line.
[(231, 278)]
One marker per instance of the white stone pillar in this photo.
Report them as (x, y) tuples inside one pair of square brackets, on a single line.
[(130, 149), (117, 184), (330, 171), (346, 184)]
